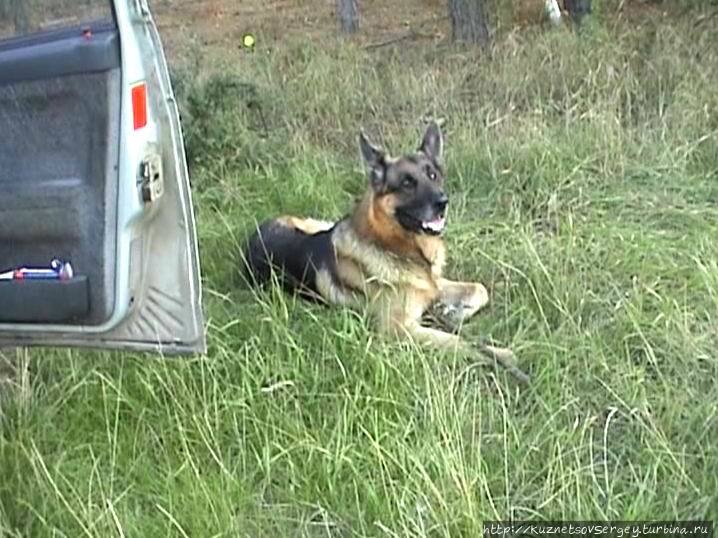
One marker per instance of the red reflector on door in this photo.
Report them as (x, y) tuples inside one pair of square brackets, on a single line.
[(139, 105)]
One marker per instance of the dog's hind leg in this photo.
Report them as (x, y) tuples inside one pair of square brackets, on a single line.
[(307, 225)]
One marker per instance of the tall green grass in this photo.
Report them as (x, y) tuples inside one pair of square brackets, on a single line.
[(583, 186)]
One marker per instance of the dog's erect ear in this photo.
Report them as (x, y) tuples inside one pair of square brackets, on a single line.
[(432, 145), (375, 159)]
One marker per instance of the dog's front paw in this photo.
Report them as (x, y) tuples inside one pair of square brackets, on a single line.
[(448, 316), (476, 300)]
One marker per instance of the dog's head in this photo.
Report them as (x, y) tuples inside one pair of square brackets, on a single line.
[(410, 189)]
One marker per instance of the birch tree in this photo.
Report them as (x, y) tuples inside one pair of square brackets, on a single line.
[(348, 15)]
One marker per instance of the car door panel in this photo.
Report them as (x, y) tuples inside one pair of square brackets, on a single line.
[(98, 177), (59, 162)]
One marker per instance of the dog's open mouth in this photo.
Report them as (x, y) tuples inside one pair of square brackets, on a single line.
[(416, 225), (435, 226)]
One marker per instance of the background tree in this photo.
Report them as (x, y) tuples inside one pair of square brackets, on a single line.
[(578, 9), (15, 10), (348, 15), (469, 21)]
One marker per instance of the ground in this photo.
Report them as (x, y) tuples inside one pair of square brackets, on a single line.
[(223, 22), (218, 25), (582, 172)]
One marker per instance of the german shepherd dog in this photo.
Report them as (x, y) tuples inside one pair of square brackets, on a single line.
[(387, 255)]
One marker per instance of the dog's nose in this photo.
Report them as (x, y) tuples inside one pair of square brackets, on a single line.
[(441, 202)]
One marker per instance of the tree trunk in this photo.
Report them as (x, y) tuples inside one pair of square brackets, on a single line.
[(348, 15), (578, 9), (553, 12), (469, 21), (16, 10)]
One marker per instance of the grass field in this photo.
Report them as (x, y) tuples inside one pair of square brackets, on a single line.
[(584, 187)]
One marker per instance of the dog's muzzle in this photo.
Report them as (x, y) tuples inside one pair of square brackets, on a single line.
[(437, 224)]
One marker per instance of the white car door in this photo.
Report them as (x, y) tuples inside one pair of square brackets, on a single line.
[(93, 174)]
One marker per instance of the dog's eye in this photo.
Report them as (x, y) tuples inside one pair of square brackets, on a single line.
[(431, 174), (408, 182)]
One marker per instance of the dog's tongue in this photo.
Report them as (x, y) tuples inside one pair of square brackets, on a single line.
[(435, 225)]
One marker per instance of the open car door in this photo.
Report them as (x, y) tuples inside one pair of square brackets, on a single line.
[(93, 173)]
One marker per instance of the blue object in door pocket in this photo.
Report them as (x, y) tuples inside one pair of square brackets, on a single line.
[(58, 270)]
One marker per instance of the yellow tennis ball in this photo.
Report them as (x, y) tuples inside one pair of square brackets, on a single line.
[(248, 40)]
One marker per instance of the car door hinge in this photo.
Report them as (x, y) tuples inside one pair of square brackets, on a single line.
[(151, 179)]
